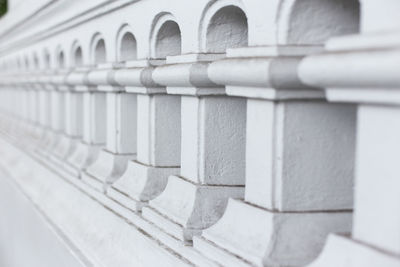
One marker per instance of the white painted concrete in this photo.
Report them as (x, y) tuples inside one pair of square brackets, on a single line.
[(206, 133), (373, 241)]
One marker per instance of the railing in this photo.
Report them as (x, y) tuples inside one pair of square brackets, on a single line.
[(218, 147)]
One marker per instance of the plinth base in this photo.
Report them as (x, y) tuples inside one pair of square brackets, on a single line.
[(83, 157), (139, 184), (63, 147), (267, 238), (184, 208), (107, 168), (46, 145)]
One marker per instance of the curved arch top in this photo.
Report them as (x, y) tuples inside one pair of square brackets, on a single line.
[(165, 36), (26, 62), (214, 26), (312, 22), (98, 52), (76, 54), (126, 44), (46, 58), (59, 58), (35, 59)]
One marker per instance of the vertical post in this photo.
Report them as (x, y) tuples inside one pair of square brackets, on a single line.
[(120, 145), (158, 139), (212, 151), (372, 84), (94, 124), (299, 164)]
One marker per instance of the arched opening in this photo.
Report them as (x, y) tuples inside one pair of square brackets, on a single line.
[(46, 59), (128, 47), (100, 52), (61, 59), (227, 29), (35, 61), (78, 58), (26, 63), (315, 21), (168, 40)]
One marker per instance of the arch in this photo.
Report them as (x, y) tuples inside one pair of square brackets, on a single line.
[(126, 44), (76, 54), (35, 64), (165, 37), (223, 25), (98, 49), (18, 62), (26, 62), (60, 58), (46, 58), (78, 57), (314, 21)]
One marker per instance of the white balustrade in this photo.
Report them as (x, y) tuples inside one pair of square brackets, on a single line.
[(206, 133)]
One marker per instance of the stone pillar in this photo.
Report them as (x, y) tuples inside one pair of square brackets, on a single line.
[(212, 150), (21, 80), (57, 100), (21, 104), (67, 140), (33, 105), (50, 111), (31, 110), (121, 119), (35, 98), (158, 137), (73, 121), (44, 109), (299, 164), (363, 69), (57, 113), (94, 122), (74, 105)]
